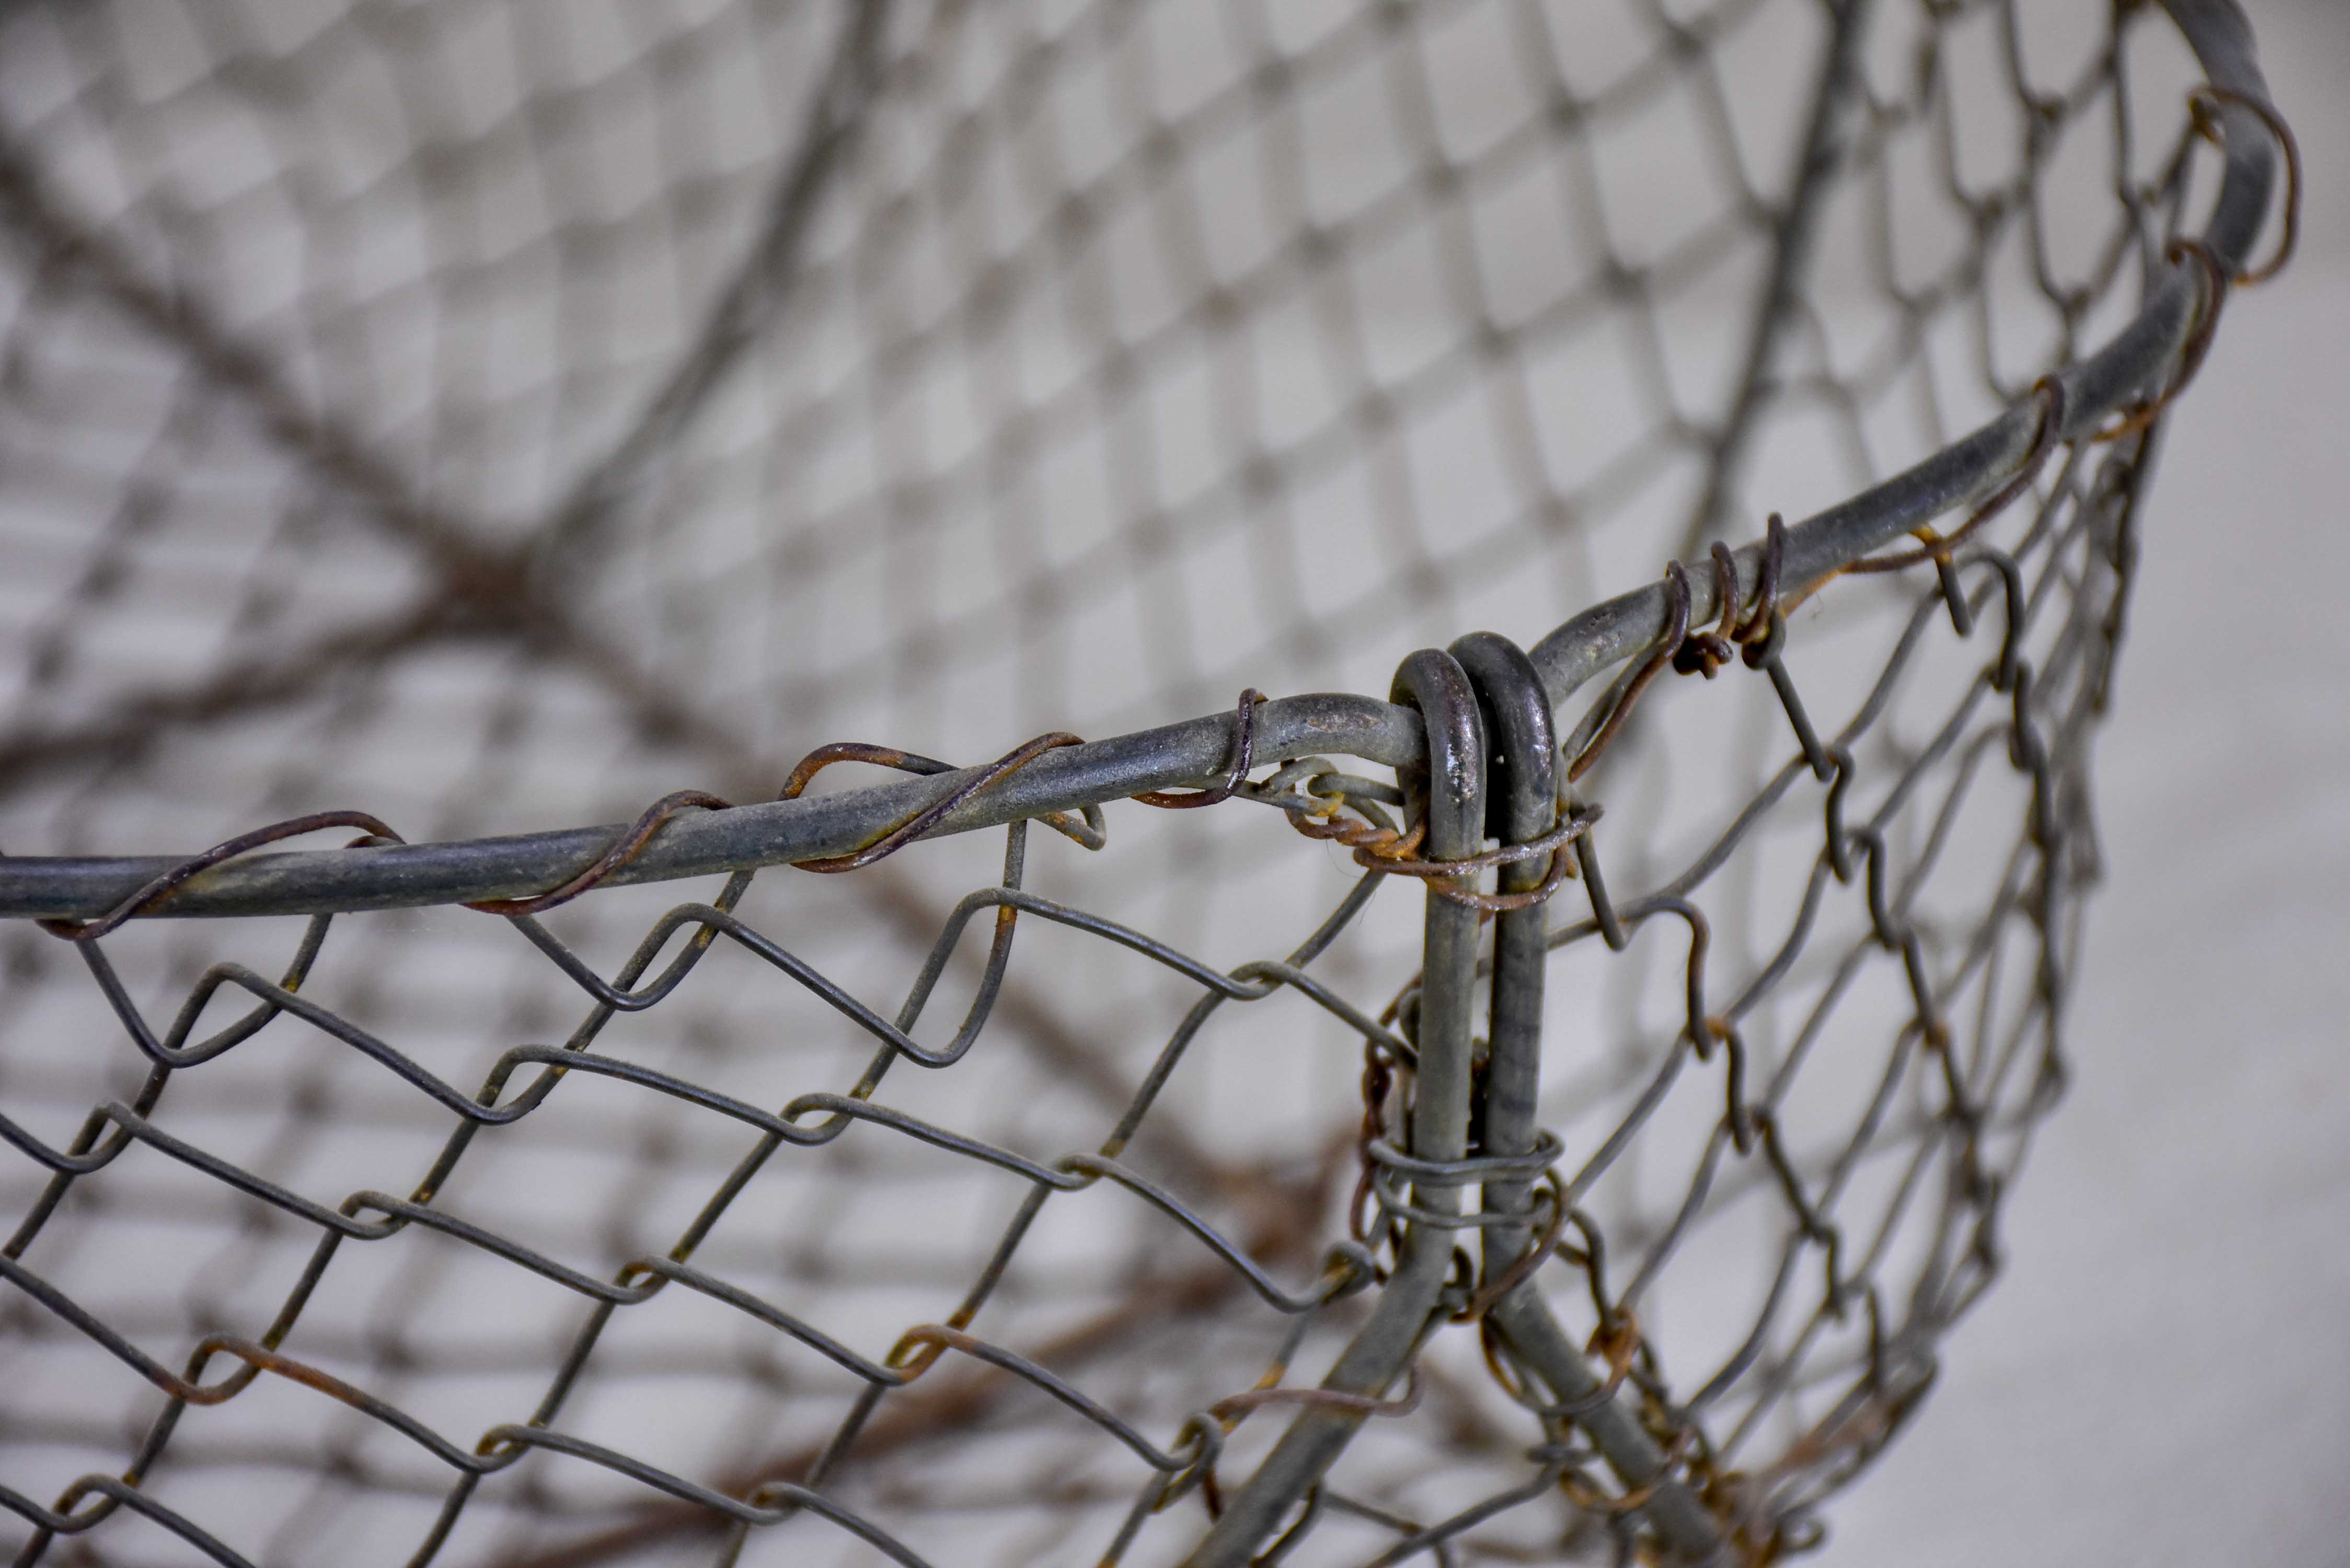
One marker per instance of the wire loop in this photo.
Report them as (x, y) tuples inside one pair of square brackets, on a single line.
[(2202, 101)]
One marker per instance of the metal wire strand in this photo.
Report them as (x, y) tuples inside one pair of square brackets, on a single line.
[(684, 390)]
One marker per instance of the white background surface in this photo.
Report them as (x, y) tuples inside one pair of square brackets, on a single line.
[(2164, 1377)]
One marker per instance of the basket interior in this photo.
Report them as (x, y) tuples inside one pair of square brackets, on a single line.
[(494, 417)]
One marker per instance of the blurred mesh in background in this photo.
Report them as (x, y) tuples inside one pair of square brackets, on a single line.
[(491, 417)]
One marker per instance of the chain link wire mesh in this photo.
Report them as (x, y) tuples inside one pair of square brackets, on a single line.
[(490, 416)]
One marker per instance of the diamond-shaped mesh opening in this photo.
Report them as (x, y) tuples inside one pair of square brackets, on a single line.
[(493, 418)]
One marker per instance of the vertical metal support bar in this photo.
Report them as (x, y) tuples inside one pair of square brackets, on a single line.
[(1451, 793), (1523, 806), (1536, 1338), (1517, 716)]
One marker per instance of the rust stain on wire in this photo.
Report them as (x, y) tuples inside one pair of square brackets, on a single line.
[(1271, 1252)]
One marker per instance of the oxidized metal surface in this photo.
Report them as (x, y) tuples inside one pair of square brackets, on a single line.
[(1677, 1111)]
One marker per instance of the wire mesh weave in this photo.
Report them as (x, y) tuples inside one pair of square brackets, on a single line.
[(488, 416)]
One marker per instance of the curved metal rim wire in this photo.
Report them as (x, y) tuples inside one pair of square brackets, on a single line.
[(1197, 752)]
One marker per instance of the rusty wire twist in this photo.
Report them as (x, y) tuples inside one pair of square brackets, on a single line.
[(1232, 1240), (2200, 101)]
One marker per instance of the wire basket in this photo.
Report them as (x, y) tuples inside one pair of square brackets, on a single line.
[(1550, 1108)]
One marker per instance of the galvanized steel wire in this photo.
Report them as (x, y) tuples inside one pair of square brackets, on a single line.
[(1676, 1136)]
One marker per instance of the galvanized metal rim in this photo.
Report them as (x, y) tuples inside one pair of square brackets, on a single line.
[(1196, 752)]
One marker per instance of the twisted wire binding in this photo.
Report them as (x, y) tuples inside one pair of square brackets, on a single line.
[(630, 1223)]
